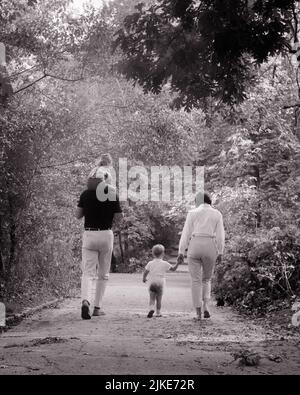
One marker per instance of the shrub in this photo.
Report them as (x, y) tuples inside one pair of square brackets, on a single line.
[(260, 268)]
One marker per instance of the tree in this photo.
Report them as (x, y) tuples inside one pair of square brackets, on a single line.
[(44, 40), (47, 48), (204, 49)]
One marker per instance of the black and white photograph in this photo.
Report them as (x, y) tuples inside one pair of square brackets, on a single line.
[(149, 190)]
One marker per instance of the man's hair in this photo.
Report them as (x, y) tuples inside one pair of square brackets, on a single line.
[(202, 197), (158, 250)]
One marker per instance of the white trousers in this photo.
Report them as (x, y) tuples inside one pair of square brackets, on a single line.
[(97, 247), (202, 255)]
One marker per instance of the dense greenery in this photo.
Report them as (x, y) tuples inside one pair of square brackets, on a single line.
[(203, 49), (70, 104)]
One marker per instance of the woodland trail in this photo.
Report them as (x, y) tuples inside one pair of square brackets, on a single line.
[(124, 341)]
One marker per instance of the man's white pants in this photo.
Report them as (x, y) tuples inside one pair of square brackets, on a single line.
[(202, 255), (97, 247)]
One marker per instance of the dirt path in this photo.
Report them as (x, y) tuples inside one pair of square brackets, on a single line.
[(124, 341)]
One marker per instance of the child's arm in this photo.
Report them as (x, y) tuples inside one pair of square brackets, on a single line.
[(174, 267), (180, 260), (145, 274)]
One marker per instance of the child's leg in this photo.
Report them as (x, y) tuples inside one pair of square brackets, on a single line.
[(158, 303), (152, 303), (152, 300)]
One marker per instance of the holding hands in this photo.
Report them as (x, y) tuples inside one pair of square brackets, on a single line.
[(180, 259)]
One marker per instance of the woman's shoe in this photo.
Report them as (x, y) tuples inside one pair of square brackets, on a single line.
[(85, 310), (97, 312), (206, 314)]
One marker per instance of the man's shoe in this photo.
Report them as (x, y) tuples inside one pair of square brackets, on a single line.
[(85, 310), (150, 314), (97, 312)]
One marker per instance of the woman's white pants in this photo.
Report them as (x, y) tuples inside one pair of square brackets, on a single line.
[(97, 247), (202, 255)]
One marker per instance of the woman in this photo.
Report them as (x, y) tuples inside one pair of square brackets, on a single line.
[(204, 237), (99, 218)]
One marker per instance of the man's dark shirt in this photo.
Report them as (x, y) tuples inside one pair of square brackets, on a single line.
[(98, 214)]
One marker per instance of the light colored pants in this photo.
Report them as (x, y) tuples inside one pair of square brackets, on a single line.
[(97, 247), (202, 255)]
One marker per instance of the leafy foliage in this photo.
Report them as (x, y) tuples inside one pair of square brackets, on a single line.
[(202, 49), (262, 267), (53, 129)]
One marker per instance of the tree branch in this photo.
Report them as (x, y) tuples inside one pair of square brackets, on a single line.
[(295, 32), (63, 163), (291, 106), (23, 71), (29, 85), (47, 75), (63, 78)]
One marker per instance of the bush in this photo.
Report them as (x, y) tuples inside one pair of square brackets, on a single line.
[(259, 269)]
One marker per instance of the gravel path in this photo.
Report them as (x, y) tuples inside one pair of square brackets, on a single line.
[(124, 341)]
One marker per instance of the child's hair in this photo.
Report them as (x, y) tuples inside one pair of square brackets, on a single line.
[(158, 250), (101, 169), (104, 160)]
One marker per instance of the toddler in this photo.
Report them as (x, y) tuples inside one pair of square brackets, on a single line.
[(157, 269)]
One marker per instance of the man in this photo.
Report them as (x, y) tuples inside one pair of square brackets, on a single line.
[(100, 207), (203, 235)]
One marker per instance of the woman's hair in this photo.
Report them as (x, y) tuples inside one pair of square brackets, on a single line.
[(158, 250), (105, 160), (202, 197)]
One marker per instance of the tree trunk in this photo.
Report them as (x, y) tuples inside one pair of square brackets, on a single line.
[(257, 186), (126, 246), (121, 248), (12, 234)]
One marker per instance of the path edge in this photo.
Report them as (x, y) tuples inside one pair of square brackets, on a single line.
[(17, 318)]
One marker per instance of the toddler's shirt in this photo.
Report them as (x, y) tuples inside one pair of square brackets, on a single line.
[(157, 270)]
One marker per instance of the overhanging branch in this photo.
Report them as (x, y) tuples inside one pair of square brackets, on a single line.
[(291, 106), (45, 75), (29, 85)]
